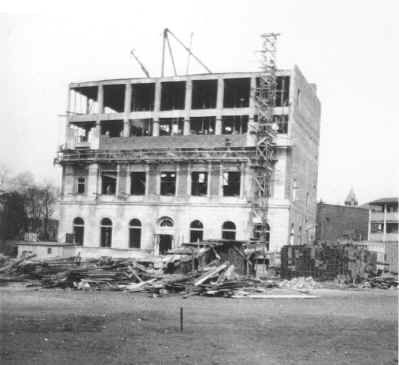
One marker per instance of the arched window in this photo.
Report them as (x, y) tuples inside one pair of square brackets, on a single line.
[(78, 230), (229, 231), (166, 222), (134, 233), (196, 231), (106, 232)]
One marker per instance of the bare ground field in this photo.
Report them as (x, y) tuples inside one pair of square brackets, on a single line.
[(72, 327)]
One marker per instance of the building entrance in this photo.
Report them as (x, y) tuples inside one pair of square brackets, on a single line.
[(165, 243)]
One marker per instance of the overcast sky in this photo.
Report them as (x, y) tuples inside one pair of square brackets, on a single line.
[(348, 48)]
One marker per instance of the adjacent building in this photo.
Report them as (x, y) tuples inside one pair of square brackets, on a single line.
[(341, 222), (383, 231), (149, 163)]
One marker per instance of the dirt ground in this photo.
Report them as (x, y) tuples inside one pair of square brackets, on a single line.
[(71, 327)]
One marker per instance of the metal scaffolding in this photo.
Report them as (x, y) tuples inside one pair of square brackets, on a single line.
[(265, 131)]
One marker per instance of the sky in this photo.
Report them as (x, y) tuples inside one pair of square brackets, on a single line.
[(350, 49)]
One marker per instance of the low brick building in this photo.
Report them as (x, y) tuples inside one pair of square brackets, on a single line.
[(334, 222)]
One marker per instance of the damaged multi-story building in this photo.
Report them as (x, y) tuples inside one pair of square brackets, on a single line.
[(150, 163)]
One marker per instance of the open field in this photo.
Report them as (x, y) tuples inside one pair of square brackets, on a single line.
[(72, 327)]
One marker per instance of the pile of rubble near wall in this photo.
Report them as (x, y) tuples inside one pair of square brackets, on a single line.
[(327, 261), (210, 268)]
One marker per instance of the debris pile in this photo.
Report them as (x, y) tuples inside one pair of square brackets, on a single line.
[(327, 260), (300, 283)]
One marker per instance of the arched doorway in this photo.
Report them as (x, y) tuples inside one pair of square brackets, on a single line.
[(165, 234)]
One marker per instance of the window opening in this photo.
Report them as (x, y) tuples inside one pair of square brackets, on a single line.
[(229, 231), (173, 95), (199, 183), (78, 230), (231, 183), (108, 182), (106, 232), (236, 93), (140, 127), (114, 98), (171, 126), (134, 233), (204, 94), (196, 231), (81, 185), (137, 183), (168, 183), (111, 128), (143, 96), (235, 124), (202, 125)]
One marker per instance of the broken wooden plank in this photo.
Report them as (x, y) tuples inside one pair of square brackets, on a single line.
[(211, 274)]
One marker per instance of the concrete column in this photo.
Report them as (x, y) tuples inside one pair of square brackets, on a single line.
[(157, 108), (187, 103), (157, 101), (384, 236), (208, 191), (218, 125), (128, 98), (252, 97), (220, 95), (186, 128), (92, 181), (155, 127), (242, 180), (100, 99), (369, 226), (219, 106)]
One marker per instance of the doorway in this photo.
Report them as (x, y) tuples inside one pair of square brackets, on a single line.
[(165, 243)]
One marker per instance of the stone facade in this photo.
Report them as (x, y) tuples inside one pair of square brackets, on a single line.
[(116, 117)]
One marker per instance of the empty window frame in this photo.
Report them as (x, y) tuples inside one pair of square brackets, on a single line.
[(114, 98), (392, 208), (173, 95), (134, 233), (143, 96), (137, 183), (204, 94), (111, 128), (377, 227), (392, 227), (140, 127), (108, 181), (105, 232), (168, 183), (171, 126), (202, 125), (80, 185), (236, 93), (235, 124), (199, 183), (231, 183), (282, 123), (78, 230), (228, 231), (83, 100), (196, 231), (282, 90)]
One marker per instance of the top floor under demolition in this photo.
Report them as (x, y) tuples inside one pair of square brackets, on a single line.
[(205, 104)]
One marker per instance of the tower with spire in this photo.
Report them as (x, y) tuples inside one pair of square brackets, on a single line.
[(351, 200)]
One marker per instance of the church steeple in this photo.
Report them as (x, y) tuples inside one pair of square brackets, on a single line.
[(351, 200)]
